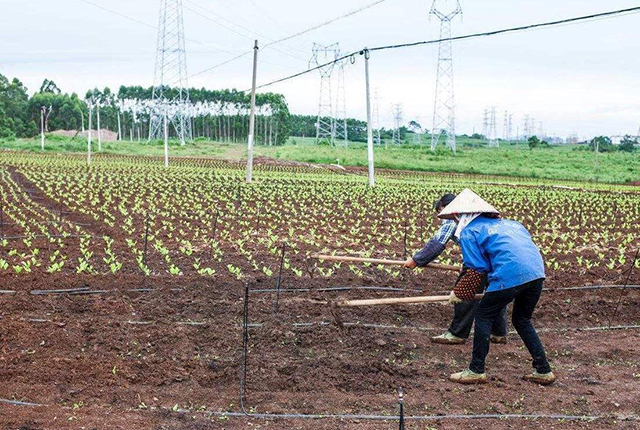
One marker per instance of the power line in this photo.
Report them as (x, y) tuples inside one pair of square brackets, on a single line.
[(122, 15), (222, 64), (516, 29), (284, 39), (202, 15), (331, 21), (364, 51)]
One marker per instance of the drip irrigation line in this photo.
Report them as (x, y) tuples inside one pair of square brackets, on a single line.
[(394, 327), (18, 403), (245, 347), (423, 417), (332, 289), (366, 51), (279, 283), (87, 291), (633, 265), (415, 290)]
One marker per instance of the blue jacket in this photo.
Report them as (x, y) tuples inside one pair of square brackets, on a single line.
[(502, 249)]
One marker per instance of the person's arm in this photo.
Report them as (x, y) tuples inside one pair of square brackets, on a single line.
[(434, 247)]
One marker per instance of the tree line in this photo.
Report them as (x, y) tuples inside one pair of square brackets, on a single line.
[(221, 115)]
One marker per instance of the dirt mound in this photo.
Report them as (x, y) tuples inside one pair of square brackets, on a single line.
[(105, 135)]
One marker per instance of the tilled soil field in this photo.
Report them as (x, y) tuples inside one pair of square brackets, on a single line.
[(163, 350)]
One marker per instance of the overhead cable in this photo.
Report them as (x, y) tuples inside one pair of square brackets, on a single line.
[(366, 51)]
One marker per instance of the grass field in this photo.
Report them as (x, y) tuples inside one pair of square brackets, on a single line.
[(567, 162)]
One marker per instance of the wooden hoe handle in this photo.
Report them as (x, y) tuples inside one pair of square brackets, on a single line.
[(396, 301), (436, 266)]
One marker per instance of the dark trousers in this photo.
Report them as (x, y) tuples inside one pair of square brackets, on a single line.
[(524, 298), (463, 315)]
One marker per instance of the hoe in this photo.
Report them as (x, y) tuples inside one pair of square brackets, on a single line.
[(335, 305)]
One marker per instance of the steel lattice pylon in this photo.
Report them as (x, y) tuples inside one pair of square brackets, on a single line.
[(396, 111), (170, 86), (325, 127), (341, 106), (444, 120)]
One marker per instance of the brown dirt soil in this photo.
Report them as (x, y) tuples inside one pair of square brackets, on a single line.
[(169, 357)]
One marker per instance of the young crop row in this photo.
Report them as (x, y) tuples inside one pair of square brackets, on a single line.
[(131, 215)]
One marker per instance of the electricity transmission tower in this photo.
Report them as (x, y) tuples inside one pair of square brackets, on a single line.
[(396, 110), (325, 127), (507, 127), (528, 126), (444, 121), (170, 85), (492, 136), (376, 116), (341, 106), (485, 124)]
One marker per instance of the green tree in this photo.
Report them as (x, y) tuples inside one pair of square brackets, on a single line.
[(14, 101), (627, 144), (603, 143), (534, 142)]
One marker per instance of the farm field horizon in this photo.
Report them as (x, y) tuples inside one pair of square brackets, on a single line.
[(563, 163), (128, 289)]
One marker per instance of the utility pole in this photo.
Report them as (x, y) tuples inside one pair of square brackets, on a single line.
[(44, 113), (119, 107), (166, 137), (252, 116), (90, 103), (99, 132), (369, 124), (321, 55), (444, 119)]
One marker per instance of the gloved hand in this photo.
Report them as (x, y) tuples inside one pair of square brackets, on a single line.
[(453, 299)]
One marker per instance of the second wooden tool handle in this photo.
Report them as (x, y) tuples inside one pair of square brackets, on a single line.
[(381, 261), (396, 301)]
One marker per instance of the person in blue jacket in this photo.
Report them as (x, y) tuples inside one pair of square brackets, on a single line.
[(501, 252), (463, 313)]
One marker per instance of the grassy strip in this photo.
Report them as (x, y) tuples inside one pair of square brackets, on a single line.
[(567, 163)]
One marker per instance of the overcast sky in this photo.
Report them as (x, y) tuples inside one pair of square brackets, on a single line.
[(582, 78)]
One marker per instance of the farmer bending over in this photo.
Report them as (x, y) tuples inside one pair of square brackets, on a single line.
[(463, 313), (503, 252)]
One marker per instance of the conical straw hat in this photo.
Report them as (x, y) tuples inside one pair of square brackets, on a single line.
[(467, 202)]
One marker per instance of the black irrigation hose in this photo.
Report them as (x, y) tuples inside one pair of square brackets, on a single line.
[(406, 327), (279, 283), (633, 264), (86, 290), (424, 417), (402, 290), (245, 347), (18, 403)]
